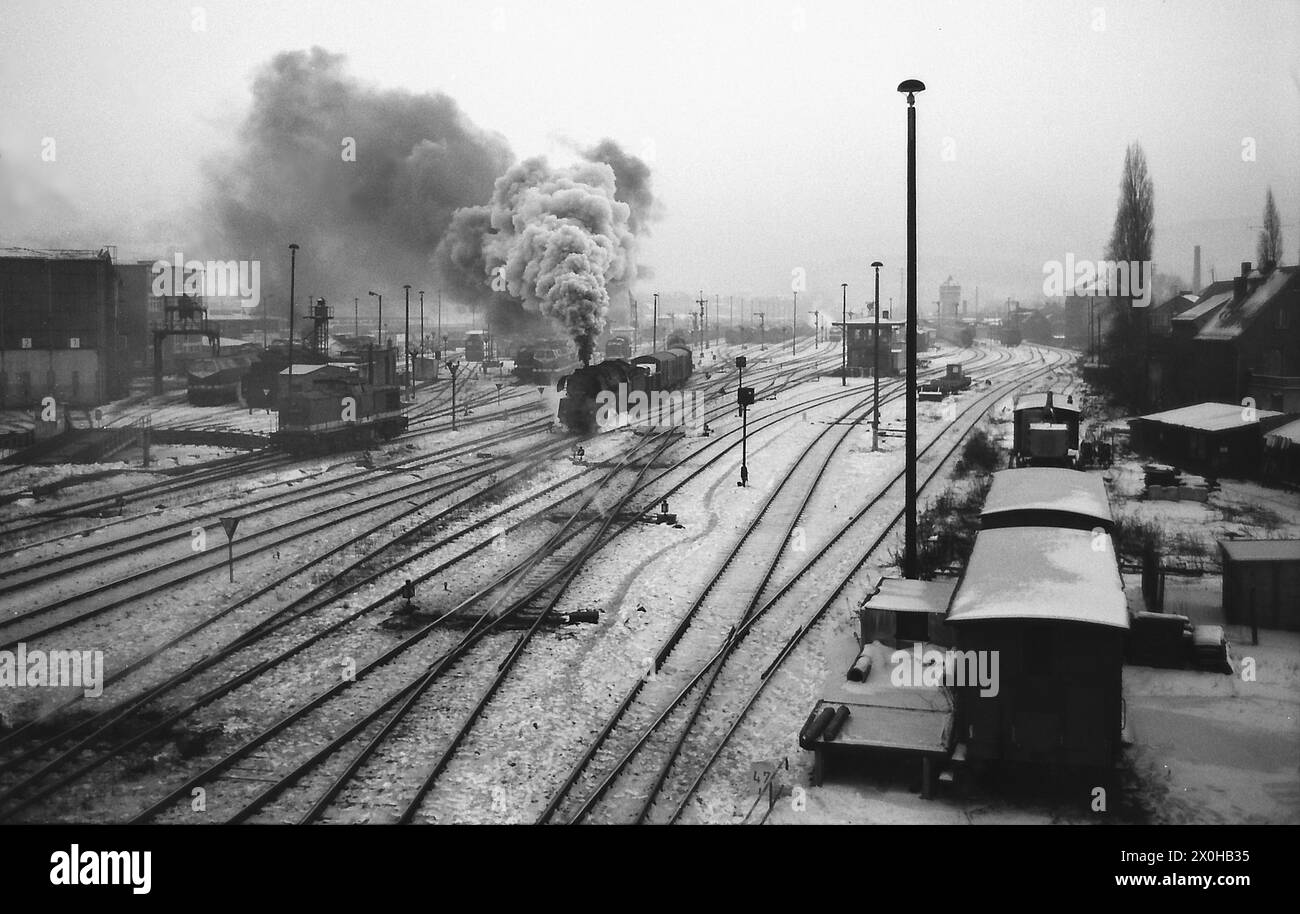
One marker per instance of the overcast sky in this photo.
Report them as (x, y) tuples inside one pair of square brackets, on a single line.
[(774, 130)]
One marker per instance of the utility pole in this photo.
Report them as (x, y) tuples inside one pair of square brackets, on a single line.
[(440, 336), (421, 323), (356, 317), (911, 567), (762, 329), (380, 296)]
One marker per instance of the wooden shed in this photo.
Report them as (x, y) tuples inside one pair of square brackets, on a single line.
[(1261, 583)]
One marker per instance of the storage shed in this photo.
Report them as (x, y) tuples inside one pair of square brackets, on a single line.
[(1217, 438), (1261, 583)]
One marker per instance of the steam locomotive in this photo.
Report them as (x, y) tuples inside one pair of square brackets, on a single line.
[(584, 410)]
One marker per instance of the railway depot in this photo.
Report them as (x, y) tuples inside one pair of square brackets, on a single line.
[(510, 431)]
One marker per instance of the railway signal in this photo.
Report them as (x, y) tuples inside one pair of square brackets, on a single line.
[(744, 399), (453, 367), (229, 524)]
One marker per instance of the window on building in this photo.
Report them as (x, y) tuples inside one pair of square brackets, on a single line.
[(1273, 362), (1283, 318)]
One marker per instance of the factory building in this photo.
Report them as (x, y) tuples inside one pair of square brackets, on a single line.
[(63, 330)]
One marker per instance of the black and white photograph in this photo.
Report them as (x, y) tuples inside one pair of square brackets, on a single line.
[(771, 413)]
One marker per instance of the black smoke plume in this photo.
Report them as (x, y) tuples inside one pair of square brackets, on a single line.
[(366, 224)]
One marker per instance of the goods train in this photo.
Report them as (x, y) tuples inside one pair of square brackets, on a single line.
[(581, 408), (336, 406), (1046, 430), (1040, 604)]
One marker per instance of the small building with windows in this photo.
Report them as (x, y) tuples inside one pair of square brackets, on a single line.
[(1213, 438), (861, 345)]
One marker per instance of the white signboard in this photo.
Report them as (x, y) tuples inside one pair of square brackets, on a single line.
[(74, 342), (27, 342)]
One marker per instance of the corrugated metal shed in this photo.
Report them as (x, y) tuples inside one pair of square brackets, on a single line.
[(1041, 573), (1048, 489), (1210, 417)]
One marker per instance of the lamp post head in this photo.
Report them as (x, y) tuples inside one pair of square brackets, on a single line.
[(877, 264), (911, 87), (372, 292), (407, 286), (293, 247)]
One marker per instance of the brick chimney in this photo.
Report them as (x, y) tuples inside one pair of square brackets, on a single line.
[(1239, 283)]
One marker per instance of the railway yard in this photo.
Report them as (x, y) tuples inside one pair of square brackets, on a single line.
[(504, 622)]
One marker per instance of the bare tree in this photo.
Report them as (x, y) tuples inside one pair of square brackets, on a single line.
[(1269, 249), (1125, 344)]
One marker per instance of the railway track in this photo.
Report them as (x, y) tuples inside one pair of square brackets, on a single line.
[(649, 768), (791, 410)]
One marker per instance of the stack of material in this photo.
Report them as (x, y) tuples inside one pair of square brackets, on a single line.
[(1159, 639), (1160, 474), (1210, 649)]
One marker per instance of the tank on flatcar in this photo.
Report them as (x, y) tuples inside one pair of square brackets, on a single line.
[(1046, 430)]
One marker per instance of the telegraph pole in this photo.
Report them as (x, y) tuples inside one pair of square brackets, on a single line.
[(911, 567), (704, 316), (421, 323), (356, 317)]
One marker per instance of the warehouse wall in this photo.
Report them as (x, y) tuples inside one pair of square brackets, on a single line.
[(72, 376)]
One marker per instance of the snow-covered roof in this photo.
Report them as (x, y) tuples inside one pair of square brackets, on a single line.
[(1038, 400), (1288, 433), (1048, 489), (1041, 573), (1211, 417), (1228, 322), (871, 322), (907, 596), (1204, 305), (1262, 550)]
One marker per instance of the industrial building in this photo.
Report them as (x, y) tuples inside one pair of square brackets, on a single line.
[(64, 331)]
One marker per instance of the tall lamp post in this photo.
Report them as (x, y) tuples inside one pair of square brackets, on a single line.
[(293, 271), (654, 327), (421, 323), (406, 341), (911, 567), (875, 366), (844, 335), (440, 336)]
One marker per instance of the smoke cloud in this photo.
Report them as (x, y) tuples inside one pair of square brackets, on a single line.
[(560, 240), (364, 221)]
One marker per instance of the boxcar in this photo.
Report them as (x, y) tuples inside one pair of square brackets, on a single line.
[(669, 368), (1046, 430), (1050, 602), (1047, 497)]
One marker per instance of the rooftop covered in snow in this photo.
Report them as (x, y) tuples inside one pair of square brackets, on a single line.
[(1211, 417), (1041, 573)]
